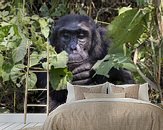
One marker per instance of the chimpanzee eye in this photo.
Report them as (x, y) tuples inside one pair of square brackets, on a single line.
[(81, 34), (65, 35)]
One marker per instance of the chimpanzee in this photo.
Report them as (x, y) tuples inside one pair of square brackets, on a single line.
[(85, 43)]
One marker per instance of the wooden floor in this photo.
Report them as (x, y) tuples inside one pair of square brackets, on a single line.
[(17, 126), (16, 121)]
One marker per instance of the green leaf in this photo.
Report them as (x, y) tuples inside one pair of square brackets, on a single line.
[(17, 73), (126, 28), (45, 31), (35, 57), (32, 79), (5, 76), (4, 32), (2, 48), (59, 11), (44, 27), (44, 10), (123, 9), (60, 61), (1, 60), (142, 2), (20, 52), (35, 17), (43, 23), (1, 63), (59, 78), (39, 43), (7, 65), (130, 66), (16, 31), (97, 64), (104, 68)]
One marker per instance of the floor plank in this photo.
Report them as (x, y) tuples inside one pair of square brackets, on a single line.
[(16, 121), (18, 126), (13, 117), (30, 125), (4, 126), (13, 126), (39, 124), (2, 123), (21, 126)]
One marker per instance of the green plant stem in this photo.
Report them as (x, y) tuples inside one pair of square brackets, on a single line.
[(151, 83), (159, 30), (24, 7), (154, 60), (159, 67), (14, 101)]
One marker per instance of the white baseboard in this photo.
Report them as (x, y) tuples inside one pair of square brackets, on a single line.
[(32, 117)]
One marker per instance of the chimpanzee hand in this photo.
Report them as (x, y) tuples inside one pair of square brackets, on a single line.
[(82, 74)]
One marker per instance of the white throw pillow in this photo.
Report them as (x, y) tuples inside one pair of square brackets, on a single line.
[(102, 95), (70, 95), (142, 94), (71, 92)]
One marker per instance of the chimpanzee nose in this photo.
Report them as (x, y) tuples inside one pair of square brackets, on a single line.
[(73, 43), (73, 46)]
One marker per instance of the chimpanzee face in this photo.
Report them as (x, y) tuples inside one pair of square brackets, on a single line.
[(75, 39), (80, 38)]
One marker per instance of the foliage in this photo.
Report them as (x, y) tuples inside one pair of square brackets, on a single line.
[(122, 30), (116, 60), (18, 32), (124, 27), (135, 33), (137, 36)]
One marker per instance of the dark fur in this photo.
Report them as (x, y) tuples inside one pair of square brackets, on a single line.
[(98, 50)]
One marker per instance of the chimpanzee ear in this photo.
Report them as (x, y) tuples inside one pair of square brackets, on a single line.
[(53, 36), (99, 44), (54, 39)]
